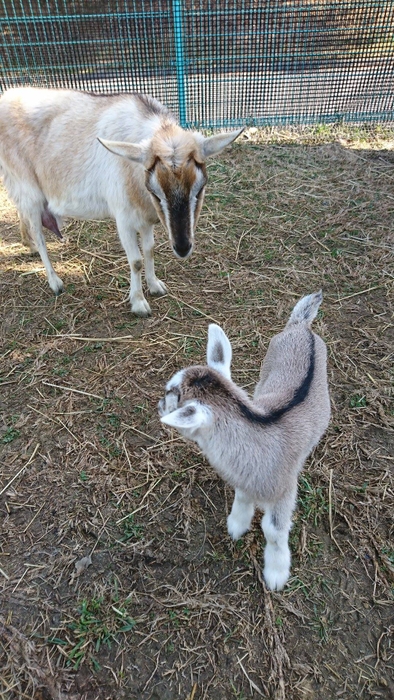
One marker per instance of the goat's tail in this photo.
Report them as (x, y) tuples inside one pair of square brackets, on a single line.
[(306, 309)]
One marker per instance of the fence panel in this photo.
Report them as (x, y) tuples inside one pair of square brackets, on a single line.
[(214, 62)]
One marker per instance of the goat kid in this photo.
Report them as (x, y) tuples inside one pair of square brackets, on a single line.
[(258, 446), (54, 165)]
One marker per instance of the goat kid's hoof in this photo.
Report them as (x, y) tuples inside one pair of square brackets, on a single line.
[(235, 529), (275, 579), (141, 308), (158, 289)]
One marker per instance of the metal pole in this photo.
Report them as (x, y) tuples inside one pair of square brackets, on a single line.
[(180, 59)]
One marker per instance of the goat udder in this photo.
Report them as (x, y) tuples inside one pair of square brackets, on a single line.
[(49, 221)]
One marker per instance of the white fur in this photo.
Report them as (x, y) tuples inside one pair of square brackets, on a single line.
[(261, 459)]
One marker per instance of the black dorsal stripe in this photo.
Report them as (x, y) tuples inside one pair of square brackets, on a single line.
[(299, 396)]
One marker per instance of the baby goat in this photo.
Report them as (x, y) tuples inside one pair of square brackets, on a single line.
[(54, 165), (258, 446)]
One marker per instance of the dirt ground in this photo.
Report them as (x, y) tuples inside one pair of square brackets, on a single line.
[(117, 576)]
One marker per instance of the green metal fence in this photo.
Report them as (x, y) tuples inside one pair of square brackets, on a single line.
[(214, 62)]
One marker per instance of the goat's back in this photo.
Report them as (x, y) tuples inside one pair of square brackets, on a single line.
[(48, 139), (41, 123)]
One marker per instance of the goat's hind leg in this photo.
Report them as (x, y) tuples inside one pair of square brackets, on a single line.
[(31, 223), (276, 525), (26, 237), (240, 518)]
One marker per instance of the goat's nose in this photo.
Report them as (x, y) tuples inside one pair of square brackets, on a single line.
[(183, 250)]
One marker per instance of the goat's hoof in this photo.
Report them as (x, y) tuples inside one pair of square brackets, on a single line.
[(56, 284), (158, 289), (141, 308)]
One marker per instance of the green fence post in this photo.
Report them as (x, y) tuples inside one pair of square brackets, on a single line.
[(180, 59)]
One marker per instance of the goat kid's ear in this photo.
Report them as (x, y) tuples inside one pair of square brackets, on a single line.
[(132, 151), (192, 416), (213, 145), (219, 351)]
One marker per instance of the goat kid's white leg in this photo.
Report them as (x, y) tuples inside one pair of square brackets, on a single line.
[(38, 243), (155, 286), (277, 557), (128, 239), (240, 518)]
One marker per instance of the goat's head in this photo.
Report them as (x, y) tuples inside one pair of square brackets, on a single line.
[(192, 394), (175, 176)]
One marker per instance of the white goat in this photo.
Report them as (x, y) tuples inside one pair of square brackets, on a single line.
[(258, 446), (54, 165)]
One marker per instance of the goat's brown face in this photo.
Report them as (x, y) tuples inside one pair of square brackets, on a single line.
[(177, 194)]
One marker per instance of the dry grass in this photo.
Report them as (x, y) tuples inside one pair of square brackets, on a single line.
[(118, 579)]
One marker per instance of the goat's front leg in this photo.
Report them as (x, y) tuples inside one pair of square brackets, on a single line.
[(240, 518), (128, 238), (276, 525), (155, 286)]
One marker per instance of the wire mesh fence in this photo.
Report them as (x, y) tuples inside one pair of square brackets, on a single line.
[(213, 62)]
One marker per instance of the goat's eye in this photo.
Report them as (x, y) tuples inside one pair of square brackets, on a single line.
[(155, 196)]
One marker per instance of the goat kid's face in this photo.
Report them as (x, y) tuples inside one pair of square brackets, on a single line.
[(182, 406), (175, 177)]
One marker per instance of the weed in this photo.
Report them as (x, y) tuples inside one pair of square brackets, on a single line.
[(122, 281), (173, 618), (192, 347), (238, 694), (131, 529), (112, 449), (389, 554), (113, 420), (357, 401), (10, 435), (143, 413), (322, 623), (126, 325), (93, 348), (312, 501), (217, 556), (60, 371), (55, 326), (97, 625), (295, 584), (178, 475)]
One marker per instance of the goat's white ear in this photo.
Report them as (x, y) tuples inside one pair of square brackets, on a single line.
[(132, 151), (219, 351), (192, 416), (213, 145)]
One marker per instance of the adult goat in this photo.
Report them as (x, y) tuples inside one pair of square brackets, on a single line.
[(54, 165)]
